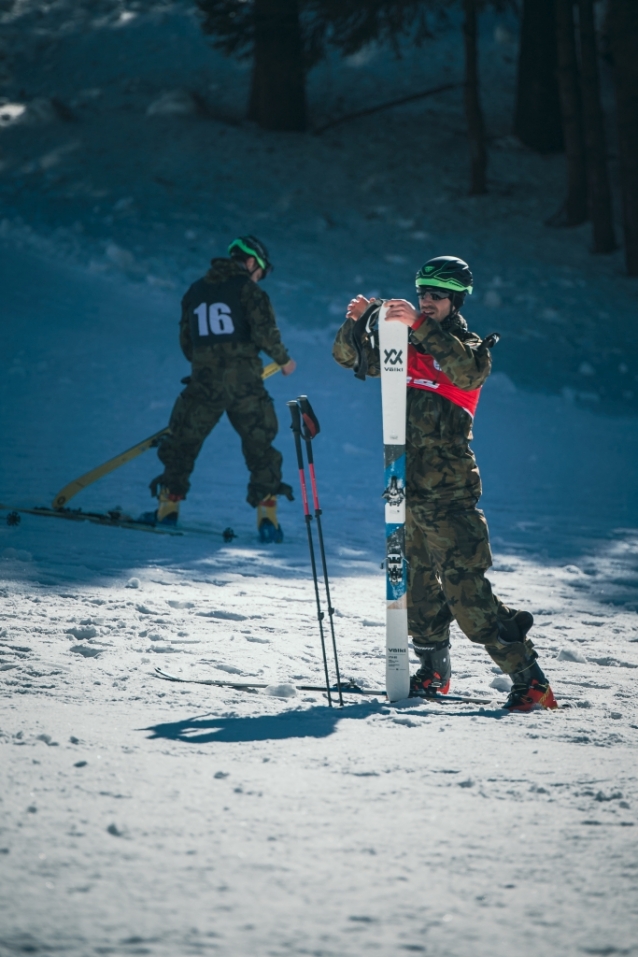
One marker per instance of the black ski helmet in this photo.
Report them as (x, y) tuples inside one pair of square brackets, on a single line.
[(245, 246), (450, 273), (446, 272)]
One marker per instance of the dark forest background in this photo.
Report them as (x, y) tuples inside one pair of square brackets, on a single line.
[(558, 98)]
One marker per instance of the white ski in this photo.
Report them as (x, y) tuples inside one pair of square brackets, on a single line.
[(393, 349)]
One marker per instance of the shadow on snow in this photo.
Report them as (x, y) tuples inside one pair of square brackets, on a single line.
[(317, 722)]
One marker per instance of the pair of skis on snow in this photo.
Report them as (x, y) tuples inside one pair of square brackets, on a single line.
[(60, 505)]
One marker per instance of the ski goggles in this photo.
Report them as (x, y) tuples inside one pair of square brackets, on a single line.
[(433, 292)]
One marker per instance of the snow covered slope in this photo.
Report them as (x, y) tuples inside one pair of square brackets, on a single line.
[(139, 816)]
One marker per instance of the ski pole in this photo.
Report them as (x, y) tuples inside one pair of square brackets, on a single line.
[(296, 431), (310, 428)]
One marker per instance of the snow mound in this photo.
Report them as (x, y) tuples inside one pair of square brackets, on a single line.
[(501, 683), (82, 634), (17, 554), (572, 654), (283, 690), (173, 103)]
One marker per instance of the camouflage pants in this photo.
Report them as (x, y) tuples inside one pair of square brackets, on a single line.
[(447, 543), (235, 388)]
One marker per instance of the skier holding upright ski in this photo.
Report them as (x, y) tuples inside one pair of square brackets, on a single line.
[(446, 534), (227, 319)]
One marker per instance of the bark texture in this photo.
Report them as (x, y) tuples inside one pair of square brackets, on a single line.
[(278, 90), (537, 121), (473, 110), (600, 208), (574, 210), (623, 25)]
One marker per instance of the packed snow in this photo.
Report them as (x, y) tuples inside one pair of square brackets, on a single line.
[(140, 816)]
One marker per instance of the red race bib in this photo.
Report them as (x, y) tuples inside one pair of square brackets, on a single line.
[(424, 372)]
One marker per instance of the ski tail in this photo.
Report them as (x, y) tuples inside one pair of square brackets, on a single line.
[(65, 494), (72, 489)]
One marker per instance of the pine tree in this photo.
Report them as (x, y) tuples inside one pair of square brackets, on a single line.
[(473, 109), (537, 120), (599, 190), (270, 32), (573, 212), (623, 23)]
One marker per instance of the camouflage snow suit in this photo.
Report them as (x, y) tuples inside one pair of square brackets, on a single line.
[(226, 320), (447, 538)]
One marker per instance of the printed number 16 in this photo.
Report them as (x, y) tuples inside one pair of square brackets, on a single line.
[(216, 317)]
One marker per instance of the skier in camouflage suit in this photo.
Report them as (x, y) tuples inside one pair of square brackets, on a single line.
[(446, 534), (226, 320)]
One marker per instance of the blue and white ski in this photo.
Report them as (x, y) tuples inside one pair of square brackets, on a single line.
[(393, 349)]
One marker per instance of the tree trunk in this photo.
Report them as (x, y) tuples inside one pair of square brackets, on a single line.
[(600, 209), (574, 209), (278, 87), (623, 24), (537, 121), (473, 111)]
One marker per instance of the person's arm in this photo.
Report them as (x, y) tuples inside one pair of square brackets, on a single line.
[(467, 364), (343, 349), (185, 340), (263, 326)]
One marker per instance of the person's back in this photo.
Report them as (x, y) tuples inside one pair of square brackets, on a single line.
[(227, 313)]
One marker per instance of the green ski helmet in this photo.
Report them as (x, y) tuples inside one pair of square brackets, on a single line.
[(245, 246)]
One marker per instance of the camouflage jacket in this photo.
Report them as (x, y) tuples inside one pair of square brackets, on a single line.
[(264, 334), (461, 356)]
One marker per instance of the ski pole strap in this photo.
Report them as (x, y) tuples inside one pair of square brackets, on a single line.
[(491, 340), (311, 426)]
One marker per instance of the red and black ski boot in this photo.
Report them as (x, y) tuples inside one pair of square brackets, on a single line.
[(530, 691), (433, 677)]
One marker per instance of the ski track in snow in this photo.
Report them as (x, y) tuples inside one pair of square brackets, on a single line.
[(143, 817)]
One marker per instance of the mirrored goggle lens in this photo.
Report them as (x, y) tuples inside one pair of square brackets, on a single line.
[(432, 292)]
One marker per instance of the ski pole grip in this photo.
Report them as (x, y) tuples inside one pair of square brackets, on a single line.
[(310, 421), (295, 415)]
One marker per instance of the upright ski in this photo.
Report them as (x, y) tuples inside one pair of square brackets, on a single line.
[(393, 349)]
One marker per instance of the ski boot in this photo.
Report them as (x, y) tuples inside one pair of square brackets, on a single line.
[(530, 687), (433, 677), (267, 524), (167, 511), (530, 690)]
